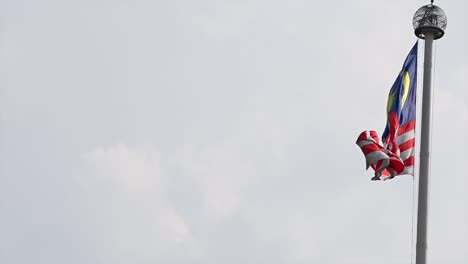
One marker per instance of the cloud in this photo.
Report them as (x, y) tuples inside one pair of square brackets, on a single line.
[(128, 209), (245, 182)]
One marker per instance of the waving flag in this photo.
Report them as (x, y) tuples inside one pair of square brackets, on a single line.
[(394, 154)]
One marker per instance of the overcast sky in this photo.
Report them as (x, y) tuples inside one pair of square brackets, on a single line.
[(218, 132)]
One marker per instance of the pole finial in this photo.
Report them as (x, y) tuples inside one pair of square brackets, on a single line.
[(429, 18)]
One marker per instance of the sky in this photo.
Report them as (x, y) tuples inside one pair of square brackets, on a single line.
[(219, 132)]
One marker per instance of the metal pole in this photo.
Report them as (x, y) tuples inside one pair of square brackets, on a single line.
[(421, 235)]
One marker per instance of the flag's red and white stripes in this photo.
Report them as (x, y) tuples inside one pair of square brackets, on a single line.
[(406, 142), (395, 159)]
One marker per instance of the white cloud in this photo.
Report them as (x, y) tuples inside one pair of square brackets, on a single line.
[(129, 209), (238, 175), (222, 176)]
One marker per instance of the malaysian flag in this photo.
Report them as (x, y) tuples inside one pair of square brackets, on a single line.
[(394, 154)]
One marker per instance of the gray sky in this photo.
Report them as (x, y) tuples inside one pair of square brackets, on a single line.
[(218, 132)]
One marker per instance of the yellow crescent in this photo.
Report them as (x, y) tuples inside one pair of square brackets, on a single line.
[(406, 86)]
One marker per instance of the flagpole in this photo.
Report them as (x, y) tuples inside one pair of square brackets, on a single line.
[(421, 235), (429, 23)]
